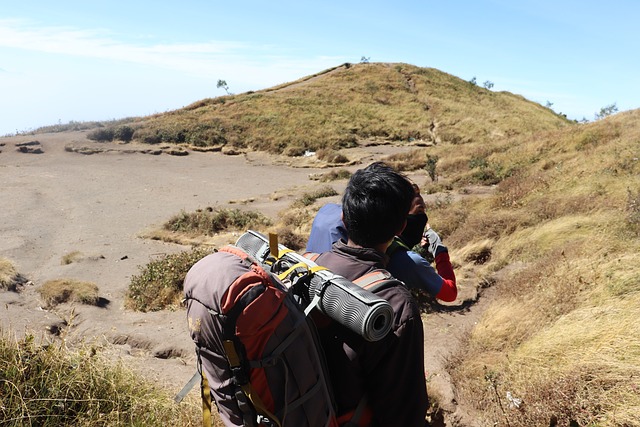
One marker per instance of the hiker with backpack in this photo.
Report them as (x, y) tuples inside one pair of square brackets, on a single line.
[(404, 263), (382, 381)]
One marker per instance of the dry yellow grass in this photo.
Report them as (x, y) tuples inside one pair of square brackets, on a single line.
[(51, 385), (60, 291), (71, 257), (563, 334), (8, 273)]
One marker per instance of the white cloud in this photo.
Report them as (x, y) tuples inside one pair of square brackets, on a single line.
[(99, 44), (254, 63), (80, 74)]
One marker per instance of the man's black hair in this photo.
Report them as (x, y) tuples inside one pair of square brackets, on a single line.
[(375, 204)]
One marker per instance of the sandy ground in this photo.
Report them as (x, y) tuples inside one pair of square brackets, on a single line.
[(54, 202)]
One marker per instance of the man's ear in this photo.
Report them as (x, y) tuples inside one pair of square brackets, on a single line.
[(404, 224)]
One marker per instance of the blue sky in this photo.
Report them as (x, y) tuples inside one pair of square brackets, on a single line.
[(102, 60)]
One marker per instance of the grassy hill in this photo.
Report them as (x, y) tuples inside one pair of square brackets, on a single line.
[(350, 104)]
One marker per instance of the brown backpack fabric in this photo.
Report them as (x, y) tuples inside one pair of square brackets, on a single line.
[(256, 348)]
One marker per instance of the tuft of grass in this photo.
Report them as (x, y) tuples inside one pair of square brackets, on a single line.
[(408, 161), (331, 156), (50, 385), (158, 286), (310, 198), (477, 253), (585, 375), (335, 175), (8, 274), (59, 291), (297, 218), (210, 221), (512, 191), (633, 211), (71, 257)]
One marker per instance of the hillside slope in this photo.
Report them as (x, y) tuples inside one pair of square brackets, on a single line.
[(559, 241), (348, 104)]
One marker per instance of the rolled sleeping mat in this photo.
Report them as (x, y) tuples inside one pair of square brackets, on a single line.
[(256, 245), (353, 307)]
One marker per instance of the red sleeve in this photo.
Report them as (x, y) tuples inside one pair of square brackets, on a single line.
[(449, 291)]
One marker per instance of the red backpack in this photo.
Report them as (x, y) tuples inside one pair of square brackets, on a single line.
[(259, 355), (257, 351)]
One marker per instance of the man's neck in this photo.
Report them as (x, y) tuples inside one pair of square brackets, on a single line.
[(382, 247)]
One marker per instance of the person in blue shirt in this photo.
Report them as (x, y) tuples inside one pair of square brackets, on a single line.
[(404, 264), (326, 229)]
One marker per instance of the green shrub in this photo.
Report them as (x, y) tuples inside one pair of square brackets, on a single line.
[(123, 133), (485, 173), (171, 135), (49, 385), (200, 135), (101, 135), (206, 135), (485, 176), (159, 284), (478, 162), (430, 166)]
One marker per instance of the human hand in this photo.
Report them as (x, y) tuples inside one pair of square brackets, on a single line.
[(432, 243)]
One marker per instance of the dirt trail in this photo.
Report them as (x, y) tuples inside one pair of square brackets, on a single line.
[(55, 202)]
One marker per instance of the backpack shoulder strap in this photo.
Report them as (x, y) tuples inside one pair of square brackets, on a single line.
[(245, 257), (377, 280), (313, 256)]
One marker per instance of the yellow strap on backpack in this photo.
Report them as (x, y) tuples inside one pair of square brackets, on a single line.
[(205, 392), (274, 249), (288, 271), (284, 274), (258, 405)]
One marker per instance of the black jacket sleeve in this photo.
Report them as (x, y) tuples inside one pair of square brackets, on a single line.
[(394, 367)]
